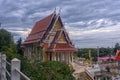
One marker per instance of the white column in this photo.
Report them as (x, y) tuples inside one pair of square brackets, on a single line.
[(15, 64), (69, 60), (58, 56), (55, 57), (65, 57), (72, 57), (52, 56), (3, 67)]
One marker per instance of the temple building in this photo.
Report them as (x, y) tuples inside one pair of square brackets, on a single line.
[(48, 40)]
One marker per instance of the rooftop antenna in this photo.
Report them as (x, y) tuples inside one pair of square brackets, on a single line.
[(60, 10), (54, 10)]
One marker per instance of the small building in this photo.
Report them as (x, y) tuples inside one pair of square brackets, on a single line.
[(48, 40)]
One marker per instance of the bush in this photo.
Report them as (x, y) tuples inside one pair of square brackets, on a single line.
[(50, 70)]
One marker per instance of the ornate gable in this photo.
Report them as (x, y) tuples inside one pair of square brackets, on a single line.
[(62, 38), (56, 27)]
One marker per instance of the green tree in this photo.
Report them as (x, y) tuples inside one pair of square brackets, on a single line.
[(18, 46), (102, 52), (7, 45), (50, 70)]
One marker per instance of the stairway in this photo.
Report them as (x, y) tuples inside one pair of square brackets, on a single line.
[(84, 76)]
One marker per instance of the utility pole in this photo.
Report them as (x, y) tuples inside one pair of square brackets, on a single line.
[(89, 52), (98, 54)]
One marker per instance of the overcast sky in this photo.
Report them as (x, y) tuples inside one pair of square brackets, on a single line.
[(90, 23)]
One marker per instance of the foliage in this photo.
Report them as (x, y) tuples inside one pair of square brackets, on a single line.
[(102, 52), (7, 45), (50, 70), (18, 46)]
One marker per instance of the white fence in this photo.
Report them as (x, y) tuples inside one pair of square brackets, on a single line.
[(91, 75), (15, 73)]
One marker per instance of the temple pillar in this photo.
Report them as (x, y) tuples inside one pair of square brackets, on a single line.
[(28, 52), (48, 56), (60, 57), (52, 56), (72, 57), (55, 56), (43, 53), (65, 57), (69, 57)]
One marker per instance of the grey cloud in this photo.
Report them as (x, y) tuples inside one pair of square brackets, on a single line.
[(79, 14), (15, 34)]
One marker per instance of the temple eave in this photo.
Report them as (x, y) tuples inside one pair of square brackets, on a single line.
[(61, 50)]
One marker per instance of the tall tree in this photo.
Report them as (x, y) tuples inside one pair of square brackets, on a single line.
[(6, 43), (19, 44)]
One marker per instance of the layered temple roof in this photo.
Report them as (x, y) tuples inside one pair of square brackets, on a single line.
[(38, 30), (50, 34)]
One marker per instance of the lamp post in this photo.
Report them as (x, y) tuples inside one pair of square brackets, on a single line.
[(98, 54)]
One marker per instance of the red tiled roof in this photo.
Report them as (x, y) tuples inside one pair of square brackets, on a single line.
[(34, 37), (38, 30), (32, 41), (63, 47), (42, 24)]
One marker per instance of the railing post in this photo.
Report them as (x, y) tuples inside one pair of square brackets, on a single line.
[(3, 67), (15, 64)]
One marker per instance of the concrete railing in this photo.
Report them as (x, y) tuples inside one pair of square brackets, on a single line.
[(15, 69), (91, 74)]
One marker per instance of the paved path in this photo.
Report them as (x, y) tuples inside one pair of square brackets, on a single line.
[(78, 69)]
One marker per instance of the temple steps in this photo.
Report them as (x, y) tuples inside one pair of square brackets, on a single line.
[(84, 76)]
